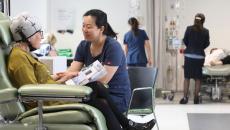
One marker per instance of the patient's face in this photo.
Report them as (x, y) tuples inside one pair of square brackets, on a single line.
[(35, 40)]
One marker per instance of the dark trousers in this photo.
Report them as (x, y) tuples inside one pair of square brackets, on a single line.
[(101, 100)]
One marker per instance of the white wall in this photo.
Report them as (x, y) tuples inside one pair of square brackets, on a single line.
[(37, 8), (117, 12)]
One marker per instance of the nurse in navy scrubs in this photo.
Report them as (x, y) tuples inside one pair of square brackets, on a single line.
[(137, 47), (100, 44)]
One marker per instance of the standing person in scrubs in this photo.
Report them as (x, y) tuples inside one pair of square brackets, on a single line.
[(137, 45)]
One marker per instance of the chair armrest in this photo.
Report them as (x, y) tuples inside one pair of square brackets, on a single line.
[(53, 91), (8, 94), (142, 88)]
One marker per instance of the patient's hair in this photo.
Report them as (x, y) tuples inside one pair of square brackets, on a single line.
[(213, 49), (51, 39)]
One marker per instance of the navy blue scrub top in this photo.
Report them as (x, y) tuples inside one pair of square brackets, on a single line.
[(136, 47), (112, 55)]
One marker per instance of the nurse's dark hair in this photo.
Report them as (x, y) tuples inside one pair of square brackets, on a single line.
[(101, 20), (199, 21), (133, 22)]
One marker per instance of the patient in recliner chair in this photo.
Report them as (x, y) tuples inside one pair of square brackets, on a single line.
[(24, 68)]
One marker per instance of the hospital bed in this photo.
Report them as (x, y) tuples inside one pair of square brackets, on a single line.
[(215, 81)]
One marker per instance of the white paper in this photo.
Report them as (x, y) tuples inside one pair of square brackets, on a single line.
[(88, 74)]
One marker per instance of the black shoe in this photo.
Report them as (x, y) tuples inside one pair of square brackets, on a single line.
[(184, 100), (141, 126), (196, 100)]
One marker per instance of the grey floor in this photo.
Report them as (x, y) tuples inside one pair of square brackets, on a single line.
[(209, 121), (209, 115)]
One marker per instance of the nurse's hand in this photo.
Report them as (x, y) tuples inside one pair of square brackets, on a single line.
[(64, 76), (150, 61)]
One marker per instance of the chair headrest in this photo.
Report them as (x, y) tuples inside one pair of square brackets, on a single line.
[(3, 16), (5, 34)]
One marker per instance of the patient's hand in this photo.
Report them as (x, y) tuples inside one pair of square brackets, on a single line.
[(64, 76), (212, 63), (55, 77), (215, 62)]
